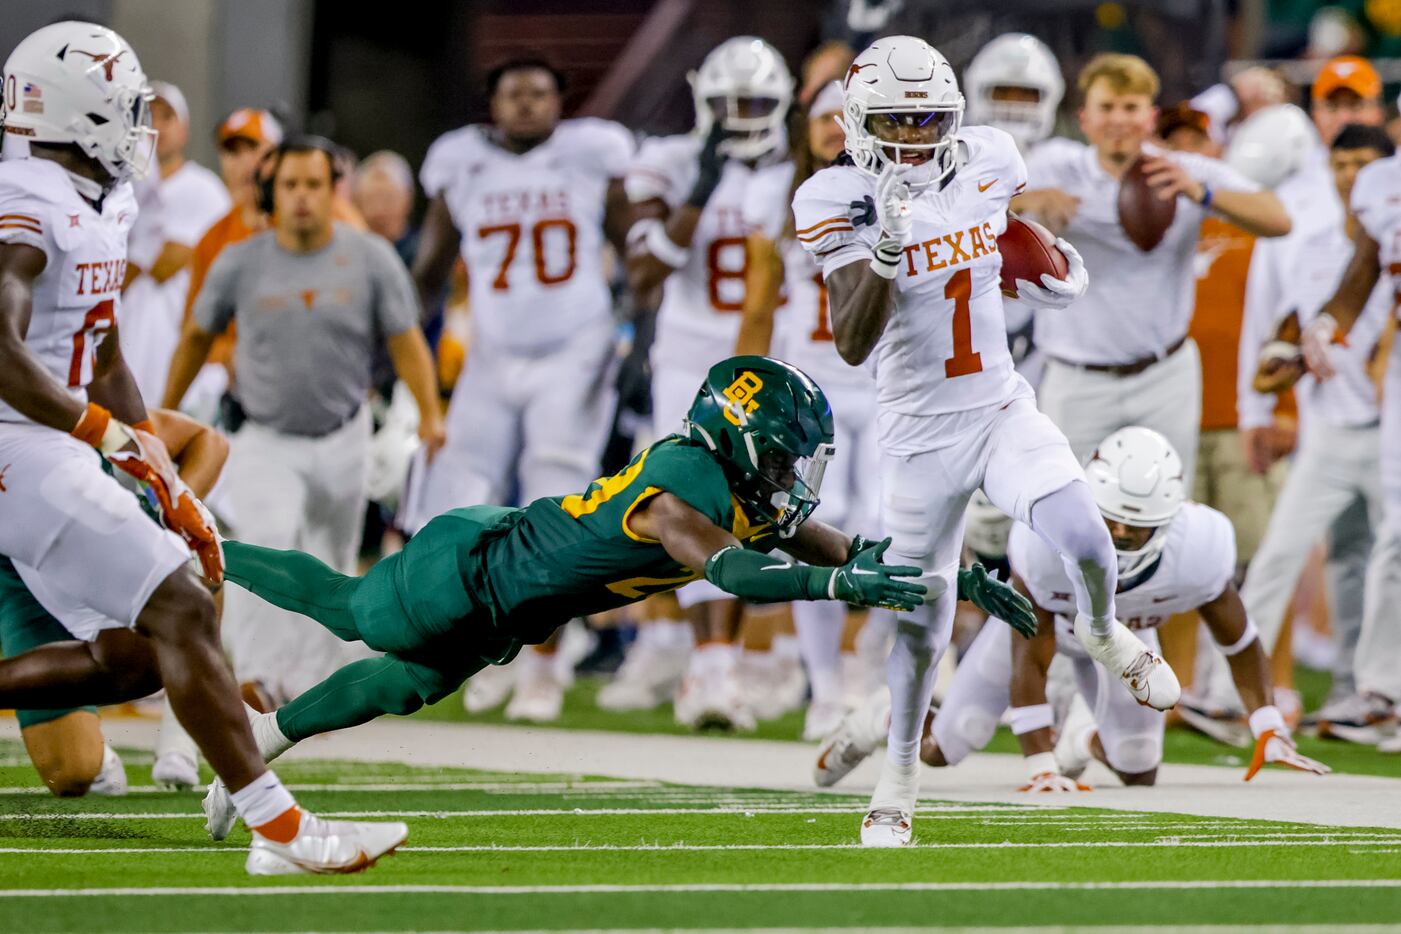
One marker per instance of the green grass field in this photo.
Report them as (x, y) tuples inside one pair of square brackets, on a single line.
[(499, 851)]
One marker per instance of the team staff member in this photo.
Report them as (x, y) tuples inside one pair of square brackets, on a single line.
[(312, 299), (1120, 355)]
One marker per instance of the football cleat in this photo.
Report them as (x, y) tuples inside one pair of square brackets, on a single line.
[(489, 688), (538, 697), (713, 702), (175, 771), (324, 847), (219, 812), (890, 820), (773, 685), (111, 780), (822, 719), (1143, 671), (1359, 718), (647, 678), (856, 737), (1390, 745)]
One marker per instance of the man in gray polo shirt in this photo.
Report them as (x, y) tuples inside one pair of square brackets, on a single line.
[(312, 300)]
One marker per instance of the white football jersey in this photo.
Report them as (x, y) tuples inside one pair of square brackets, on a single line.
[(1197, 563), (1299, 272), (698, 321), (76, 297), (532, 228), (1138, 304), (944, 349), (802, 327)]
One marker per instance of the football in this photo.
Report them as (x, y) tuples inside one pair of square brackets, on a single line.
[(1028, 252), (1144, 216), (1281, 359)]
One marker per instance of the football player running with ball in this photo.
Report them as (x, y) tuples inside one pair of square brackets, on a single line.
[(476, 584), (907, 236)]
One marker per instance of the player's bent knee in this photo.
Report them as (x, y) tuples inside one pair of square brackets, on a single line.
[(66, 752), (128, 660), (431, 685), (1134, 755), (974, 729)]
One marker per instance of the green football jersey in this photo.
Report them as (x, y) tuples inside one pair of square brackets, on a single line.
[(567, 556)]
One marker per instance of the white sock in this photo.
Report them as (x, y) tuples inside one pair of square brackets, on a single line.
[(819, 625), (262, 800), (714, 659), (268, 736), (673, 634), (898, 786)]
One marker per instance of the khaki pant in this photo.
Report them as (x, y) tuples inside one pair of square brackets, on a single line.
[(1225, 482)]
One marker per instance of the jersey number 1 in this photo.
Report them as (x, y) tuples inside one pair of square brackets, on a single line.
[(100, 317), (964, 361)]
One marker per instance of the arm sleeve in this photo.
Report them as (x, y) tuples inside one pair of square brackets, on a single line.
[(750, 575), (822, 216), (663, 169), (23, 220), (396, 302), (1262, 312), (217, 300)]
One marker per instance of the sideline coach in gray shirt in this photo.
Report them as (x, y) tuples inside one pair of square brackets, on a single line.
[(313, 300)]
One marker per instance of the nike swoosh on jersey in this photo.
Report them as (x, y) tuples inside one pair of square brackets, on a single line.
[(1165, 599), (984, 186)]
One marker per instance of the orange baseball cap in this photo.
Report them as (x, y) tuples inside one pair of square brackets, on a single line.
[(250, 123), (1348, 72)]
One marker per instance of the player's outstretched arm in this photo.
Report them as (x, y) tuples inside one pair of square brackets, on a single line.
[(1238, 640), (190, 355), (24, 383), (860, 301), (695, 541), (1031, 715), (199, 452)]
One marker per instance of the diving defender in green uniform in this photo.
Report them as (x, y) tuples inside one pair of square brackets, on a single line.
[(476, 584)]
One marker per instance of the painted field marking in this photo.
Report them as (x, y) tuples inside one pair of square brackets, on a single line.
[(605, 889), (513, 812)]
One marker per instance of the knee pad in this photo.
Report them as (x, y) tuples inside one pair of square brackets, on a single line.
[(1141, 752)]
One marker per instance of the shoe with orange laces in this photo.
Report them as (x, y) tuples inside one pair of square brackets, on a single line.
[(298, 843)]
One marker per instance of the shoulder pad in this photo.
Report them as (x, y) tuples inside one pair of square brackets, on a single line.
[(823, 208)]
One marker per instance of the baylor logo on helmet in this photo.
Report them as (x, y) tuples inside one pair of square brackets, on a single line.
[(741, 394)]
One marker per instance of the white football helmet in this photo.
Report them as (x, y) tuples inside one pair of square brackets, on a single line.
[(896, 92), (80, 83), (1136, 478), (1022, 61), (745, 84), (1272, 144)]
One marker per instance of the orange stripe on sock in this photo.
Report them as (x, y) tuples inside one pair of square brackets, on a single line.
[(283, 827)]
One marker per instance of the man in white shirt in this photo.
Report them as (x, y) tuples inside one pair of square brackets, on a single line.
[(1120, 354), (178, 205)]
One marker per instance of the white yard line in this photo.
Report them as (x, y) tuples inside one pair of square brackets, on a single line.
[(523, 788), (950, 813), (1211, 791), (1172, 842), (604, 889)]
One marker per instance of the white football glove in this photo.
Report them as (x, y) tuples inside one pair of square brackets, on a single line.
[(1053, 292), (1317, 340), (893, 209), (1274, 745)]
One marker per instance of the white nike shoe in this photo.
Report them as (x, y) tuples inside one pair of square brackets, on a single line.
[(489, 688), (773, 685), (175, 771), (890, 820), (856, 737), (111, 780), (325, 847), (219, 812), (538, 697), (648, 677), (713, 702), (1143, 671), (1072, 750), (822, 719)]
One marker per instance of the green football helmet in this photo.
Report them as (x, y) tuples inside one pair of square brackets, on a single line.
[(770, 426)]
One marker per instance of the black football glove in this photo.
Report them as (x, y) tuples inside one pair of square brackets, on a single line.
[(711, 164)]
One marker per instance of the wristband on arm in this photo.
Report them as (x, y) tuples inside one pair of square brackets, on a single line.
[(1243, 643)]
